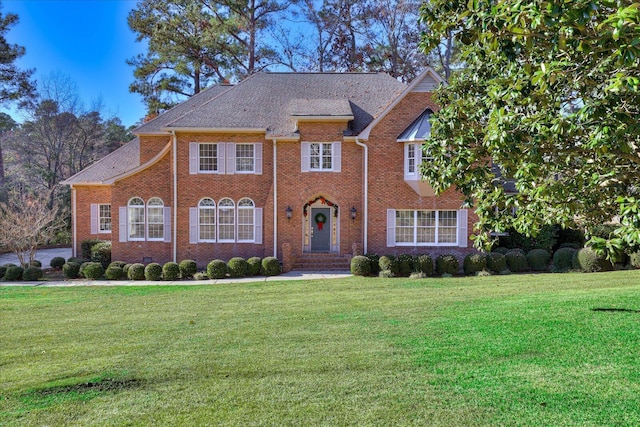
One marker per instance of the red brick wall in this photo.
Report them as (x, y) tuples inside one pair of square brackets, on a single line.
[(85, 196)]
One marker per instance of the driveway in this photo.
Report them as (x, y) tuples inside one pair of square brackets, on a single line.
[(43, 255)]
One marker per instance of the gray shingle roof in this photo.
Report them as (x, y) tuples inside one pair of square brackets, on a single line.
[(262, 100), (319, 107), (113, 164)]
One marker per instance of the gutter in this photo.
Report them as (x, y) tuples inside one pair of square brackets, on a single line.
[(175, 196), (365, 215), (74, 231), (275, 199)]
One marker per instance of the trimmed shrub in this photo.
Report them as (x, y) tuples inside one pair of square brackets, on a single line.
[(500, 250), (71, 270), (389, 262), (572, 245), (496, 262), (538, 259), (114, 272), (120, 264), (237, 267), (545, 239), (85, 247), (32, 273), (374, 260), (447, 264), (634, 260), (170, 271), (125, 269), (101, 252), (255, 265), (587, 260), (57, 262), (35, 263), (82, 267), (473, 263), (153, 271), (360, 266), (386, 274), (270, 266), (405, 265), (188, 268), (93, 270), (516, 261), (201, 276), (78, 260), (217, 269), (3, 269), (424, 264), (563, 259), (135, 271), (13, 273)]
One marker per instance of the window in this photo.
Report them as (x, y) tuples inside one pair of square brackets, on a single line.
[(226, 220), (104, 218), (244, 158), (155, 219), (207, 158), (422, 228), (207, 220), (414, 156), (245, 220), (321, 156), (136, 218)]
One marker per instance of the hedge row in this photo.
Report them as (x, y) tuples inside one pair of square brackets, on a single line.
[(12, 272), (403, 265), (217, 269)]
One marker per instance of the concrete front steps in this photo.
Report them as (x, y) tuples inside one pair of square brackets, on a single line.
[(311, 261)]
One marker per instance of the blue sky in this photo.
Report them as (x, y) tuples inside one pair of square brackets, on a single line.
[(87, 41)]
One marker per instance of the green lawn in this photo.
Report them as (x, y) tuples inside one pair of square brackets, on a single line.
[(527, 350)]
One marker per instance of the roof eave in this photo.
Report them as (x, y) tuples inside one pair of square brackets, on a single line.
[(213, 130), (140, 168)]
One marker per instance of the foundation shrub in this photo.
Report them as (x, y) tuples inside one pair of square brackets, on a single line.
[(85, 247), (57, 262), (3, 269), (153, 271), (405, 265), (424, 264), (374, 263), (93, 270), (237, 267), (120, 264), (83, 266), (270, 266), (35, 263), (634, 260), (113, 272), (447, 264), (360, 266), (474, 263), (135, 271), (588, 261), (71, 270), (571, 245), (125, 270), (170, 271), (188, 268), (516, 261), (386, 274), (201, 276), (254, 266), (101, 252), (389, 262), (32, 273), (78, 260), (496, 262), (538, 259), (500, 250), (217, 269), (562, 259), (13, 273)]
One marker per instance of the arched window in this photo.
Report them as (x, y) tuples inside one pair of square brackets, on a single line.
[(207, 220), (136, 218), (246, 217), (226, 220), (155, 219)]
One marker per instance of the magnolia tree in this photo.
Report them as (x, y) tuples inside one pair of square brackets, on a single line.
[(549, 98), (27, 223)]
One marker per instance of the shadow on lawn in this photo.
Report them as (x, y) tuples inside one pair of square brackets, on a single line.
[(621, 310)]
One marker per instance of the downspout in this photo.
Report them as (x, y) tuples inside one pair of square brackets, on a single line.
[(74, 232), (365, 215), (175, 195), (275, 199)]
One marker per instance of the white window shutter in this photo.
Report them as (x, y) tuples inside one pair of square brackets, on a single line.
[(193, 225), (167, 224), (122, 223), (221, 150), (337, 157), (193, 158), (258, 158), (94, 218), (462, 228), (391, 228), (304, 156), (257, 232), (231, 158)]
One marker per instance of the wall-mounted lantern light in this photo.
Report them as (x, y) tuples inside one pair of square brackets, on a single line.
[(288, 211), (354, 212)]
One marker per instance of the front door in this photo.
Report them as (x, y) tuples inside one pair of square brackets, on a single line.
[(320, 229)]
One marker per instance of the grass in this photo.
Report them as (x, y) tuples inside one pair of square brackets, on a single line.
[(525, 350)]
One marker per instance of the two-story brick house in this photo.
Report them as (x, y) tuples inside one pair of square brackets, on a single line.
[(296, 165)]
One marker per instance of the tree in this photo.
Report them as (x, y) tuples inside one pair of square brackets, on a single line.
[(548, 98), (15, 84), (26, 223)]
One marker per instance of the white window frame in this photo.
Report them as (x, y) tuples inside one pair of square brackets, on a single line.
[(207, 207), (437, 228), (412, 153), (321, 156), (104, 220), (155, 204), (131, 208), (238, 151), (336, 156), (215, 158), (223, 207), (245, 204)]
